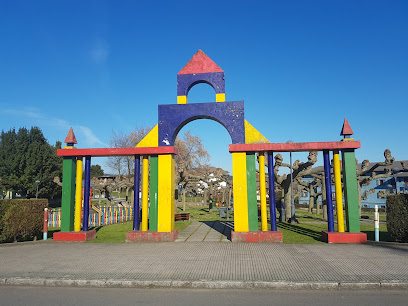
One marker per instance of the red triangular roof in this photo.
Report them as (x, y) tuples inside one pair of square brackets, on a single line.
[(346, 130), (70, 137), (200, 63)]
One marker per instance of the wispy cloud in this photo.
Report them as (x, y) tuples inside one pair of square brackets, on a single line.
[(83, 133), (99, 51), (92, 140)]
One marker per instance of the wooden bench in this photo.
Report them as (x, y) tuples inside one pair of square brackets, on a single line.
[(182, 217)]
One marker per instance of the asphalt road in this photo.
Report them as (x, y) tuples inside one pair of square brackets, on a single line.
[(119, 296)]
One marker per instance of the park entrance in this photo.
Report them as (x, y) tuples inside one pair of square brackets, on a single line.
[(155, 154)]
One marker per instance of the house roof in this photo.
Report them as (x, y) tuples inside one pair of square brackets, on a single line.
[(396, 165)]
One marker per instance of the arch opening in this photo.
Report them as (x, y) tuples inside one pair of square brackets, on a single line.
[(191, 119), (201, 92), (217, 147)]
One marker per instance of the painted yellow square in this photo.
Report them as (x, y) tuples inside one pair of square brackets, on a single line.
[(220, 97), (181, 99)]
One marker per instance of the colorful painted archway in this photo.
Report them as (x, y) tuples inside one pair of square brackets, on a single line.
[(157, 151)]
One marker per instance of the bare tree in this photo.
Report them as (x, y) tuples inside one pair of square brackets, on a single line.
[(191, 152), (125, 164), (314, 188), (117, 163), (299, 170), (191, 156), (367, 174)]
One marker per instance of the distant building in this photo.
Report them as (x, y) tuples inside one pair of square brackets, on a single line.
[(393, 183)]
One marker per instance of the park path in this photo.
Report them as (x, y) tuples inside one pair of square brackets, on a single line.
[(209, 231)]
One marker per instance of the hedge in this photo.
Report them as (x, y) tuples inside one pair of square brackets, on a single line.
[(21, 219), (397, 217)]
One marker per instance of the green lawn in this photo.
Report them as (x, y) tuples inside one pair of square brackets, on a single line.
[(307, 231), (200, 213)]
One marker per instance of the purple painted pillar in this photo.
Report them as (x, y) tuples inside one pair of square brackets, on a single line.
[(87, 186), (327, 180), (272, 191), (136, 194)]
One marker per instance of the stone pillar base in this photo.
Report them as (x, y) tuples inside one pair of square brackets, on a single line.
[(259, 236), (336, 237), (146, 236), (75, 236)]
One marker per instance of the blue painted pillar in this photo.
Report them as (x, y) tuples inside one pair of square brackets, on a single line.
[(136, 194), (329, 200), (272, 205), (87, 185)]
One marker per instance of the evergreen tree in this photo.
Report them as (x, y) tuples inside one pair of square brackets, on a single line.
[(26, 157), (96, 170)]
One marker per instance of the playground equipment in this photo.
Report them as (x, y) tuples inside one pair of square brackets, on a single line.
[(157, 152)]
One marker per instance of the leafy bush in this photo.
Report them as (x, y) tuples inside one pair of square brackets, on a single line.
[(21, 219), (397, 217)]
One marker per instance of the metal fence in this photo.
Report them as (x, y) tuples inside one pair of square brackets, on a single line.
[(103, 215)]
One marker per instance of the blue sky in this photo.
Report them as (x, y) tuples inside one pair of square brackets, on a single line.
[(300, 66)]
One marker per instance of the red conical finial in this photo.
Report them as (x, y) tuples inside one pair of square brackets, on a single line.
[(70, 139), (346, 131), (200, 63)]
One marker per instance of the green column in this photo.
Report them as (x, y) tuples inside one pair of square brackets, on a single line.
[(251, 192), (68, 194), (154, 192), (350, 191)]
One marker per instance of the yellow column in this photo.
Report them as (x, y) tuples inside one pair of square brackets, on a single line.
[(339, 197), (264, 218), (240, 192), (78, 196), (145, 207), (165, 210)]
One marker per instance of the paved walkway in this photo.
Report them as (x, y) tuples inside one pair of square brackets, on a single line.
[(208, 231), (205, 264)]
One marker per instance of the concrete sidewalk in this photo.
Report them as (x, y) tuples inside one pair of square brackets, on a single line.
[(208, 231), (205, 265)]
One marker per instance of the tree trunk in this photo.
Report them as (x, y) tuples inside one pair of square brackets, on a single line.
[(210, 206), (317, 206), (311, 203), (184, 199), (325, 211), (229, 202), (288, 204), (359, 198), (324, 201)]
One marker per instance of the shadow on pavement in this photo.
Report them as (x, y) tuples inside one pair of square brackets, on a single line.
[(302, 231), (223, 227)]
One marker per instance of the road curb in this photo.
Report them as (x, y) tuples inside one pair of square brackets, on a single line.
[(388, 243), (201, 284)]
